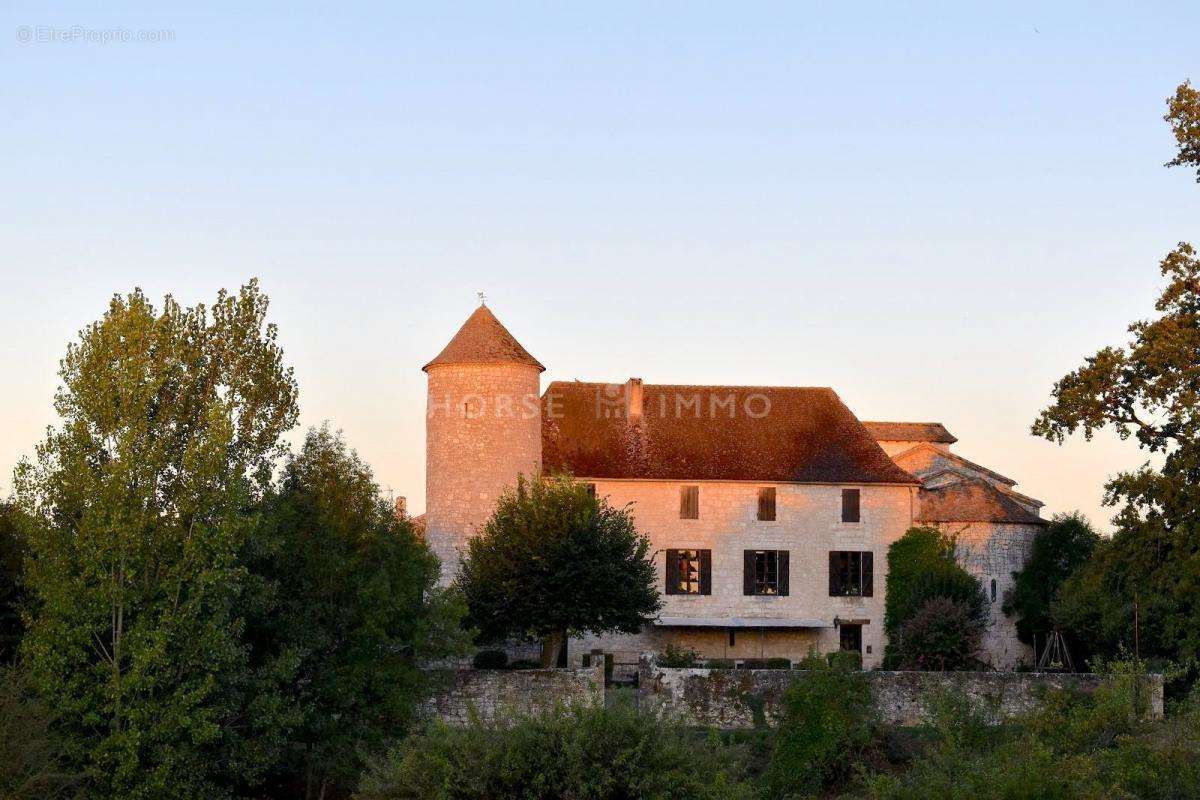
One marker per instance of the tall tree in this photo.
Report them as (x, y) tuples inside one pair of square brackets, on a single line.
[(554, 560), (171, 424), (1058, 550), (1143, 587), (355, 614)]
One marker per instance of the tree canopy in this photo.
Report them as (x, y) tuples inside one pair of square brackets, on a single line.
[(552, 560), (355, 614), (171, 422)]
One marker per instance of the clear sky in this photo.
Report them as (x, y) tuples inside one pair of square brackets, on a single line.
[(935, 209)]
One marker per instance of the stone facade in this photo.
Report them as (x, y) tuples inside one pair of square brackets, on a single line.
[(483, 429), (487, 424), (808, 525), (490, 695), (722, 698)]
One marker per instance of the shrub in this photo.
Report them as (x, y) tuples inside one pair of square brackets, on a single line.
[(596, 753), (766, 663), (827, 721), (943, 634), (524, 663), (490, 659), (922, 566), (678, 657), (719, 663)]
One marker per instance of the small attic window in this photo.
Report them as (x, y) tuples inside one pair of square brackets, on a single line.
[(766, 504), (689, 502), (851, 505)]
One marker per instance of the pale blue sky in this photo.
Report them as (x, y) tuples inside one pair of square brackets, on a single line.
[(933, 209)]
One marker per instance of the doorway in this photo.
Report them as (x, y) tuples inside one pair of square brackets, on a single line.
[(851, 636)]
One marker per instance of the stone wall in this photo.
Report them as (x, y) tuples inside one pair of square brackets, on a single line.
[(751, 698), (808, 524), (491, 694)]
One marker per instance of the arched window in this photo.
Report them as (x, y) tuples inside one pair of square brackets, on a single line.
[(993, 590)]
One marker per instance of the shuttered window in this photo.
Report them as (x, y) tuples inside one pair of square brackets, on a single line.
[(689, 572), (850, 505), (765, 572), (851, 573), (766, 504), (591, 489), (689, 502)]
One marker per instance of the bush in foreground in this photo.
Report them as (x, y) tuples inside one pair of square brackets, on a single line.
[(597, 753), (828, 721)]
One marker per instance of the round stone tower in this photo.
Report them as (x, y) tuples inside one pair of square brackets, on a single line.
[(483, 428)]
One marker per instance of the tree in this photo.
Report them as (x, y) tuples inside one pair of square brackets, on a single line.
[(355, 613), (1058, 550), (171, 424), (12, 579), (942, 634), (922, 567), (1183, 113), (554, 560)]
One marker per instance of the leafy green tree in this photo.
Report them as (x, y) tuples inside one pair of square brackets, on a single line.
[(12, 580), (171, 424), (554, 560), (1142, 588), (1183, 112), (355, 613), (921, 567), (1058, 550), (942, 634)]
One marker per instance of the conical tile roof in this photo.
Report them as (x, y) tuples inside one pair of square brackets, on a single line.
[(484, 340)]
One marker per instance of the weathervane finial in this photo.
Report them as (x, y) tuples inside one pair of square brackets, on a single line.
[(482, 298)]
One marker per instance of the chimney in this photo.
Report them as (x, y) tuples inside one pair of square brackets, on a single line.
[(402, 507), (633, 400)]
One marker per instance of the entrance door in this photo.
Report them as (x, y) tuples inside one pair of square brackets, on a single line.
[(852, 637)]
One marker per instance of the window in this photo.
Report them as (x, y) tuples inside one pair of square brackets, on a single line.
[(733, 637), (850, 505), (765, 572), (689, 502), (591, 489), (689, 572), (851, 573), (766, 504), (993, 590)]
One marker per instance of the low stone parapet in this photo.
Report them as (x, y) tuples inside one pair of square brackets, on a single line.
[(458, 695), (748, 698)]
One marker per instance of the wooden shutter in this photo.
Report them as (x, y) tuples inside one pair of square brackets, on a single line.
[(835, 575), (782, 565), (850, 505), (672, 572), (706, 572), (868, 574), (766, 504), (689, 502), (747, 572)]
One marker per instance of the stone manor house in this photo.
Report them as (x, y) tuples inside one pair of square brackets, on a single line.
[(769, 509)]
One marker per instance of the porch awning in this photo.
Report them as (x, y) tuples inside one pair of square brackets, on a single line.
[(740, 622)]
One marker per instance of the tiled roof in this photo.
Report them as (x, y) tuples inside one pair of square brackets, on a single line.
[(920, 459), (483, 340), (910, 432), (770, 434), (973, 500)]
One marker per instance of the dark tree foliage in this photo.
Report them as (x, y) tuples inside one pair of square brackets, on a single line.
[(942, 634), (1183, 112), (12, 582), (354, 613), (554, 560), (33, 759), (921, 567), (1058, 550)]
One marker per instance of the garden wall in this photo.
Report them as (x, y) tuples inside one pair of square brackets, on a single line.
[(747, 698), (488, 694)]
